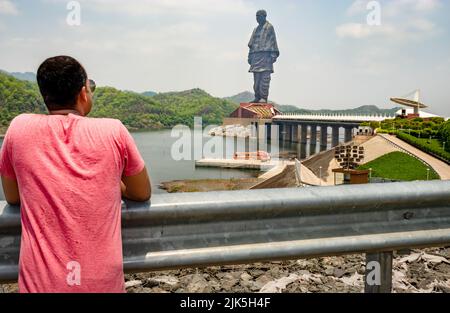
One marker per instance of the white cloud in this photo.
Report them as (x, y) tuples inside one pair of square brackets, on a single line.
[(154, 7), (8, 8), (358, 31), (395, 7), (416, 5), (401, 20), (357, 7), (413, 30)]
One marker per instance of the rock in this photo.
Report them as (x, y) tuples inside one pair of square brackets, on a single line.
[(236, 275), (215, 284), (329, 271), (257, 273), (277, 286), (169, 282), (302, 263), (133, 283), (246, 276), (262, 280), (247, 281), (338, 272), (275, 271), (150, 283), (228, 281), (199, 284)]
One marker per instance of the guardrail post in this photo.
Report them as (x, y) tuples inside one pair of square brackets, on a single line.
[(378, 276)]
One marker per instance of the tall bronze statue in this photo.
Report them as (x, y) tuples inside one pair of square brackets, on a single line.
[(263, 54)]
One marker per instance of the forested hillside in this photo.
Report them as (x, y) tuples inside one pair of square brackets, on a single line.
[(136, 111)]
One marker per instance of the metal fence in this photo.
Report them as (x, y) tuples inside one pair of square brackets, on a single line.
[(201, 229)]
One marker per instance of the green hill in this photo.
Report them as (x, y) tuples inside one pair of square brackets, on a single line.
[(242, 97), (196, 102), (248, 96), (135, 110), (16, 97)]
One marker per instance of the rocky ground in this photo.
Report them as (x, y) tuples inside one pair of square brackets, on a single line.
[(416, 272)]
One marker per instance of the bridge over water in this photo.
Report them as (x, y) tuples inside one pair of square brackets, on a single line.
[(294, 127)]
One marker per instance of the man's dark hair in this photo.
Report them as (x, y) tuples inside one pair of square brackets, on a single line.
[(60, 80)]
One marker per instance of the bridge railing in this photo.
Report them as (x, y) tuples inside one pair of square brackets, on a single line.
[(334, 117), (200, 229)]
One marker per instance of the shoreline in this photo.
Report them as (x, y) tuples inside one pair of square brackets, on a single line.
[(207, 185)]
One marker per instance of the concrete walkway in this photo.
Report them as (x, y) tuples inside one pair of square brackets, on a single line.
[(441, 168)]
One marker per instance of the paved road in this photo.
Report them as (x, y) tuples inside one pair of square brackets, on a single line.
[(442, 168)]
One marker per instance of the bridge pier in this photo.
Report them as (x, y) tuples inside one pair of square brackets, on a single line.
[(348, 134), (313, 139), (323, 136), (304, 132), (261, 131), (335, 136), (282, 130), (289, 132), (295, 135)]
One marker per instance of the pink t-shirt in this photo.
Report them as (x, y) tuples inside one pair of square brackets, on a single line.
[(68, 170)]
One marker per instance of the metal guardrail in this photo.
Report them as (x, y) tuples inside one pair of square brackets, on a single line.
[(200, 229)]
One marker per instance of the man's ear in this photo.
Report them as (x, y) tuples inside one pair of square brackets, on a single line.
[(83, 95)]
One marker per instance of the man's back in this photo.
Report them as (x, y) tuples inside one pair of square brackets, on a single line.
[(69, 170)]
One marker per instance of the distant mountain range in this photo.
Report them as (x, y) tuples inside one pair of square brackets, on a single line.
[(149, 93), (248, 96), (26, 76)]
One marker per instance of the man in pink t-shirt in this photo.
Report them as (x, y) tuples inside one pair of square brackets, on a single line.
[(69, 172)]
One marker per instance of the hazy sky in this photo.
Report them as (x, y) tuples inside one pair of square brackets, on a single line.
[(330, 56)]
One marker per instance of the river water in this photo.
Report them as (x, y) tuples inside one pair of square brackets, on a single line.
[(156, 147)]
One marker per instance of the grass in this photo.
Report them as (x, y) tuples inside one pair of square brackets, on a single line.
[(432, 143), (399, 166)]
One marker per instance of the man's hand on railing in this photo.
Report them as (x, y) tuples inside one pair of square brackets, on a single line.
[(136, 188)]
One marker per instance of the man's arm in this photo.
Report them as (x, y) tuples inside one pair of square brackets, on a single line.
[(137, 187), (7, 172), (11, 190)]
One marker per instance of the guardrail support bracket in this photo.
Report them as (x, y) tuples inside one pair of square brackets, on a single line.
[(378, 276)]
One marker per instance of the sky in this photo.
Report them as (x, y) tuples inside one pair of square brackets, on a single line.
[(331, 56)]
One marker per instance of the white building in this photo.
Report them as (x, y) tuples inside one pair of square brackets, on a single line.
[(422, 114)]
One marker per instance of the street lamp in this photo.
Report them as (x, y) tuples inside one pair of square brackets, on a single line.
[(320, 175), (370, 174), (428, 174)]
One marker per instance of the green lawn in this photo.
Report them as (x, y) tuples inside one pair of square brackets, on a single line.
[(399, 166), (432, 143)]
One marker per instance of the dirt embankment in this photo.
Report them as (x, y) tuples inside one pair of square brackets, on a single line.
[(205, 185)]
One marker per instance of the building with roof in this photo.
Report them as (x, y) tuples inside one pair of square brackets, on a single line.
[(414, 113), (251, 113), (255, 111)]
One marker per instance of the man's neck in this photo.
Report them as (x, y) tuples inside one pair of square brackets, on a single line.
[(64, 112)]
